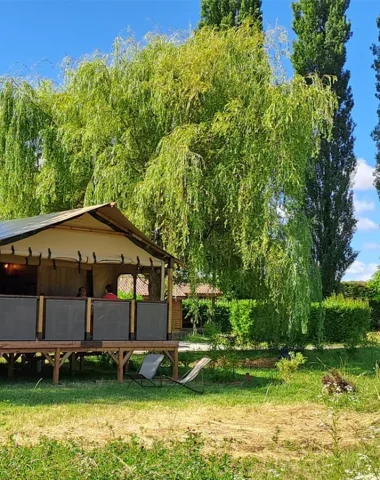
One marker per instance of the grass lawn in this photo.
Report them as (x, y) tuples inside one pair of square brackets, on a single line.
[(92, 427)]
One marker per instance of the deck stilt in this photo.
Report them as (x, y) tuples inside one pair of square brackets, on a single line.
[(175, 364), (120, 366), (57, 362), (11, 365)]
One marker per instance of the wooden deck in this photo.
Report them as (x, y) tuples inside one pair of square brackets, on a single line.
[(56, 353)]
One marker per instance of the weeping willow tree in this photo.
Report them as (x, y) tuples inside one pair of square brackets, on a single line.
[(201, 142)]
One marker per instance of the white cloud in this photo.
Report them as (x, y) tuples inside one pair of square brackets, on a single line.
[(371, 246), (366, 224), (364, 176), (363, 206), (360, 271)]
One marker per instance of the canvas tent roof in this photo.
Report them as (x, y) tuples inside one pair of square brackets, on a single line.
[(97, 234)]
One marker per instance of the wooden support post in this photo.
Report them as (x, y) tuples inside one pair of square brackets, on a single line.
[(11, 365), (81, 362), (170, 298), (88, 318), (175, 363), (126, 360), (64, 358), (120, 366), (73, 362), (133, 320), (57, 362), (40, 322)]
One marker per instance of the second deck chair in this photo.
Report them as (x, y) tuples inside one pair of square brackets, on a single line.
[(192, 375), (147, 371)]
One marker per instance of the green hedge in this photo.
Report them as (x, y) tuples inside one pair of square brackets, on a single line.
[(363, 291), (336, 320), (345, 320)]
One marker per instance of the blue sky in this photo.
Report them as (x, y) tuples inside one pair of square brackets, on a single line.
[(36, 35)]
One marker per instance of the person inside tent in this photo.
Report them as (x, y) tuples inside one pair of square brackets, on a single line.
[(82, 292), (109, 295)]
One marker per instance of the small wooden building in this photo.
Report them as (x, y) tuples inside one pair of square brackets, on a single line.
[(44, 260)]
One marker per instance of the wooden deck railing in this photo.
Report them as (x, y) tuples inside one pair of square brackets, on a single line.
[(44, 318)]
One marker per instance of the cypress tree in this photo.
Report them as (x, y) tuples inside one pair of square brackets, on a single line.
[(323, 31), (376, 132), (229, 13)]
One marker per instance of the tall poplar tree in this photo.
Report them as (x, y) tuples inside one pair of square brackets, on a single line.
[(229, 13), (376, 132), (323, 31)]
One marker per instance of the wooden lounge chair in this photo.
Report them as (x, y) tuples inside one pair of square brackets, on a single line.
[(147, 371), (191, 375)]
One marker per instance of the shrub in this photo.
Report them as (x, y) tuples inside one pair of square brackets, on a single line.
[(346, 320), (255, 322), (316, 324), (196, 312), (365, 291), (288, 367), (335, 384), (201, 312)]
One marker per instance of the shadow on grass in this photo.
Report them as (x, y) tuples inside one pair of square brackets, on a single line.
[(96, 385)]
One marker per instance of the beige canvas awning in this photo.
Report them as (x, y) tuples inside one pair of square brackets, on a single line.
[(100, 234)]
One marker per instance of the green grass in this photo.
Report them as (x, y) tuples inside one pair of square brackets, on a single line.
[(92, 427)]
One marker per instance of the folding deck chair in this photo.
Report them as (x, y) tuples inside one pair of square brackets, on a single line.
[(147, 371), (191, 375)]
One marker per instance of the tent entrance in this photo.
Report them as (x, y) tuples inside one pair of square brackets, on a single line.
[(18, 279)]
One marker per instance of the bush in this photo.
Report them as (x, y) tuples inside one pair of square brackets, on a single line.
[(336, 320), (346, 320), (255, 322), (201, 312), (365, 291), (287, 367), (316, 324)]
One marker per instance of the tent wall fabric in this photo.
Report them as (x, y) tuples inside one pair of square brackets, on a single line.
[(91, 235)]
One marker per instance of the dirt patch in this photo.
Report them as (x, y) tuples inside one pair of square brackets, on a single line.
[(264, 430)]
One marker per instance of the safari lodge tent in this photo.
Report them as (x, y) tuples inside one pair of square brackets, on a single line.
[(44, 260)]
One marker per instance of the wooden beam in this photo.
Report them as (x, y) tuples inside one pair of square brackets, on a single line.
[(114, 357), (170, 298), (169, 355), (48, 358), (127, 357), (11, 365), (162, 293), (57, 364), (175, 364), (120, 367), (73, 362), (40, 321), (64, 358)]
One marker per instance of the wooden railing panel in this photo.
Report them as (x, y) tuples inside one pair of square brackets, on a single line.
[(18, 318), (65, 319), (151, 321), (111, 320)]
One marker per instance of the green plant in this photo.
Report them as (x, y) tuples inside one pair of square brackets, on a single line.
[(288, 366), (346, 320), (127, 295)]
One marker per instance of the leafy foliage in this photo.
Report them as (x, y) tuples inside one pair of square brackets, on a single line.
[(199, 140), (346, 320), (323, 31), (229, 13), (376, 132), (365, 291), (287, 367)]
